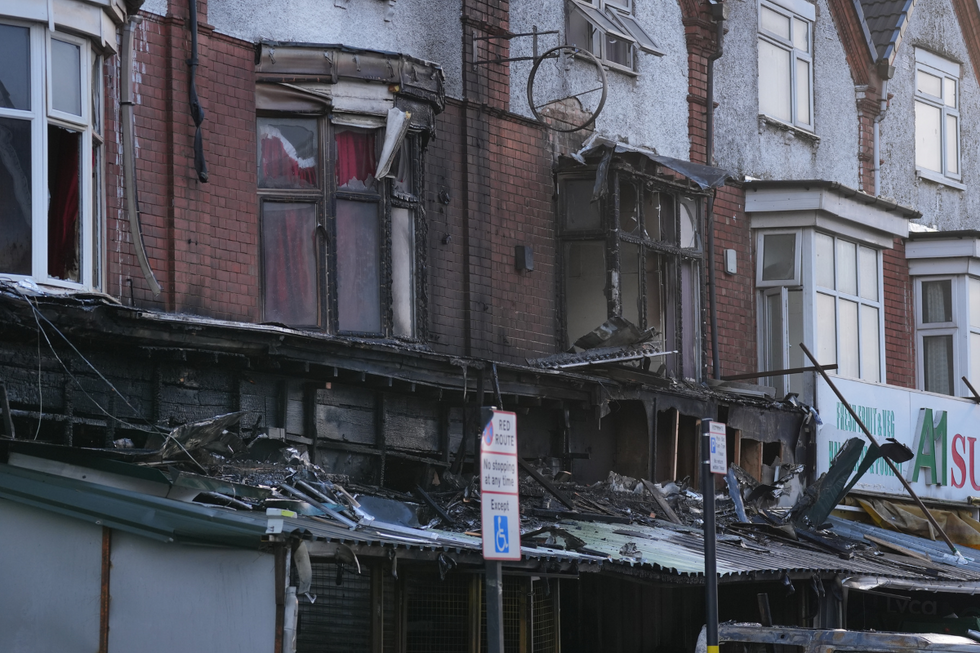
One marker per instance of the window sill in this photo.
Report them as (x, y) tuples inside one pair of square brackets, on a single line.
[(938, 178), (802, 134)]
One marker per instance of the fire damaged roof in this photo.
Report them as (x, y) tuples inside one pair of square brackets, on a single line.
[(613, 526)]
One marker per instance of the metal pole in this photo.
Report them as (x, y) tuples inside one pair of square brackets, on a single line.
[(710, 567), (495, 608), (895, 470)]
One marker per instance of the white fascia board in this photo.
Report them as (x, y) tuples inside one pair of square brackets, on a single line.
[(358, 97), (939, 267), (824, 222), (853, 218), (942, 248)]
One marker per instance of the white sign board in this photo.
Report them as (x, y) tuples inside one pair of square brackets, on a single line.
[(499, 488), (718, 452), (941, 431)]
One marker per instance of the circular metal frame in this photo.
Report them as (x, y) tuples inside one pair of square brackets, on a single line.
[(560, 51)]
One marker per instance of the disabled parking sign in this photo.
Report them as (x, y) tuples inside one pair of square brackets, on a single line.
[(499, 488)]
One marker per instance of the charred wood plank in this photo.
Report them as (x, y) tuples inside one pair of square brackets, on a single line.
[(546, 484)]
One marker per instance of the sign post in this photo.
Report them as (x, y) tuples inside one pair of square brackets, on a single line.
[(501, 516), (714, 460)]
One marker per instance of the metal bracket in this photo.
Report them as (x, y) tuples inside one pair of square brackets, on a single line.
[(534, 33)]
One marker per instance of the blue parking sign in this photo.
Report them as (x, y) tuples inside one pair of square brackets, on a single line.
[(500, 538)]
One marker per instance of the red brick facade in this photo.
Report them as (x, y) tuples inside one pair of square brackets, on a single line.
[(488, 188)]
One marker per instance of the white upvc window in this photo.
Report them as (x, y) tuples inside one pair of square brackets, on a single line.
[(609, 30), (786, 61), (947, 321), (822, 290), (937, 117), (50, 156)]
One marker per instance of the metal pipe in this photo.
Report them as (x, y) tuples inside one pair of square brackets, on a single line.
[(718, 12), (710, 553), (891, 465), (197, 112), (877, 147), (129, 153)]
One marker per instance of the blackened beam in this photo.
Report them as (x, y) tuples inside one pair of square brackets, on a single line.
[(8, 423), (324, 443), (422, 494), (546, 484), (888, 461), (792, 370)]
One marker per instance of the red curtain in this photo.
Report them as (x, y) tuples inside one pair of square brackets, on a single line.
[(281, 168), (289, 261), (63, 210), (355, 157)]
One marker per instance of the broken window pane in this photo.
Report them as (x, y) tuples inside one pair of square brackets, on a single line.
[(15, 197), (937, 301), (778, 257), (655, 294), (651, 215), (581, 213), (937, 364), (356, 160), (585, 283), (289, 263), (629, 281), (629, 217), (288, 152), (402, 267), (689, 224), (64, 203), (668, 217), (358, 267), (404, 180), (15, 73), (66, 77)]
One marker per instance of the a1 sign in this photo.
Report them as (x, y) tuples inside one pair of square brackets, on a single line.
[(718, 455), (499, 488)]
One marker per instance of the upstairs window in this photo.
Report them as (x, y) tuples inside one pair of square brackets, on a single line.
[(608, 29), (50, 156), (937, 117), (947, 332), (338, 244), (643, 266), (786, 62), (817, 283)]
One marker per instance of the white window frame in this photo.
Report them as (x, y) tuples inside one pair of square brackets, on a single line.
[(959, 314), (795, 280), (793, 10), (808, 285), (932, 64), (41, 115), (613, 18)]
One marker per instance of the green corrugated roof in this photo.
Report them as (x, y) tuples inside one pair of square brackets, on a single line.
[(158, 518)]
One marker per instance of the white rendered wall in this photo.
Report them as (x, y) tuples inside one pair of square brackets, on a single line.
[(650, 109), (933, 27), (50, 581), (750, 147), (168, 597)]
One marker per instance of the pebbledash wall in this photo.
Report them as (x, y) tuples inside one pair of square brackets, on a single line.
[(488, 176)]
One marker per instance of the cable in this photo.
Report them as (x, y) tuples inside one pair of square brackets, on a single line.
[(40, 392), (37, 313)]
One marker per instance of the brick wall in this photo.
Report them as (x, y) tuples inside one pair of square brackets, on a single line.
[(899, 318), (735, 293), (201, 238)]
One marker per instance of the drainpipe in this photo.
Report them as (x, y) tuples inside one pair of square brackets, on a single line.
[(197, 112), (719, 12), (881, 116), (129, 153)]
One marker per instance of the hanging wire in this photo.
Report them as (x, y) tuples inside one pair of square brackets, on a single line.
[(38, 314), (40, 392)]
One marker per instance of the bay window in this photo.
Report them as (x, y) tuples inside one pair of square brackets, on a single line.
[(338, 244), (50, 155), (634, 255)]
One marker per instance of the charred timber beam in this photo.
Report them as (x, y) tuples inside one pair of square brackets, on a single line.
[(546, 484)]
